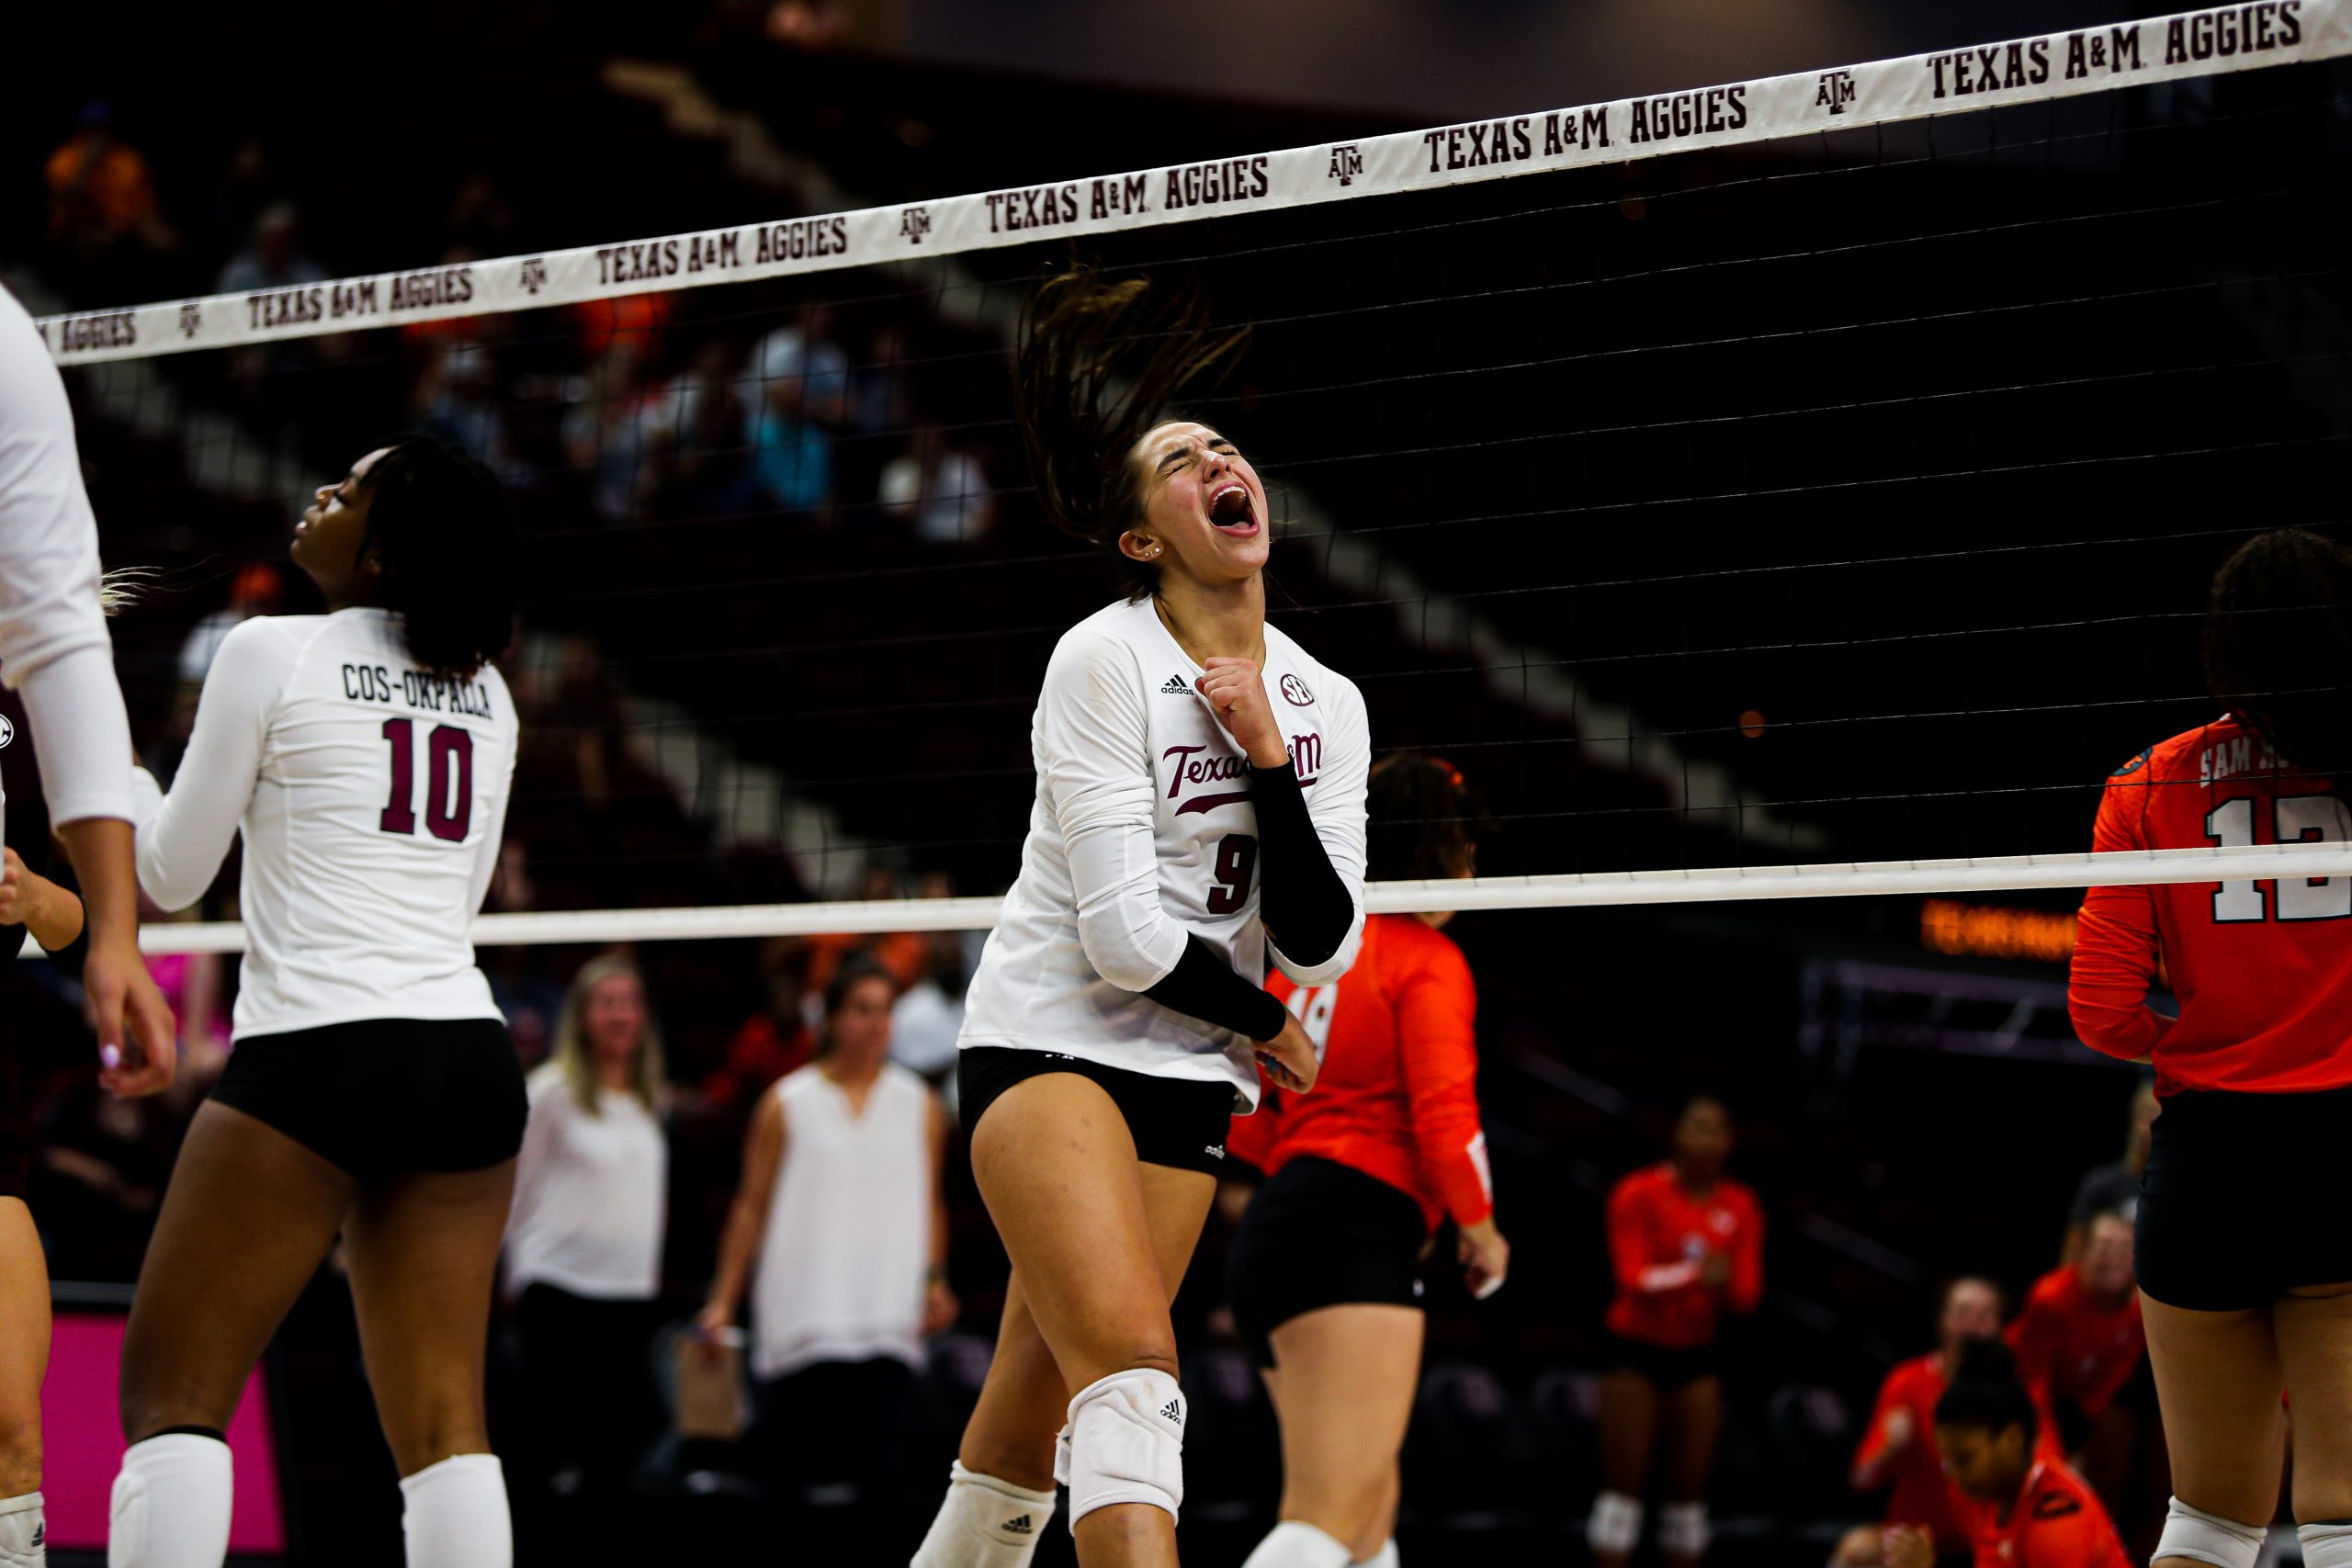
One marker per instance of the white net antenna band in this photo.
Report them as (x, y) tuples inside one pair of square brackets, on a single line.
[(1999, 873), (2017, 72)]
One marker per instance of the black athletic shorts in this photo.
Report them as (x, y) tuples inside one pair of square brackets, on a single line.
[(1668, 1368), (386, 1095), (1179, 1123), (2233, 1213), (1320, 1233)]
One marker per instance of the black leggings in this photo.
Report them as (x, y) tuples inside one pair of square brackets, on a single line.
[(833, 1438), (588, 1408)]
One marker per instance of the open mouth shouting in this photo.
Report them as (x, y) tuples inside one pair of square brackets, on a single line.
[(1232, 511)]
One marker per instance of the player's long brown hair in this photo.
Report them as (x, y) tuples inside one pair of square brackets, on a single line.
[(1421, 821), (2279, 645), (1097, 365), (440, 524)]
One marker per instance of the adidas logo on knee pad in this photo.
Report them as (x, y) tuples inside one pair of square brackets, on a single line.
[(1017, 1527), (1173, 1412)]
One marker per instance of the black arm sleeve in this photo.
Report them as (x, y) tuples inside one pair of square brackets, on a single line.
[(1204, 985), (1301, 898)]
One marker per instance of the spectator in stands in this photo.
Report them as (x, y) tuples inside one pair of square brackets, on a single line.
[(1685, 1244), (843, 1210), (256, 592), (1898, 1445), (941, 487), (103, 214), (703, 422), (877, 384), (606, 435), (2020, 1503), (249, 186), (901, 953), (803, 372), (777, 1039), (458, 397), (2079, 1341), (273, 257), (584, 1246), (2114, 1189)]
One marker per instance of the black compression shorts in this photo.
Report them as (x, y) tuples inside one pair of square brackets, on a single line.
[(1320, 1233), (2233, 1214), (1179, 1123), (385, 1096)]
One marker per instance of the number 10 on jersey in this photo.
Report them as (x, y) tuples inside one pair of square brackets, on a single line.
[(449, 780)]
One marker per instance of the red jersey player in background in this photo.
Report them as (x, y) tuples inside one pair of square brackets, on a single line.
[(1324, 1273), (1686, 1245), (2243, 1292), (1898, 1445), (2078, 1342), (2019, 1504)]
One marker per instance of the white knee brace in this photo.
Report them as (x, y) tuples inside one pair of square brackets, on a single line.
[(2327, 1545), (1682, 1530), (21, 1530), (984, 1522), (1126, 1443), (2208, 1538), (1061, 1456), (1616, 1523)]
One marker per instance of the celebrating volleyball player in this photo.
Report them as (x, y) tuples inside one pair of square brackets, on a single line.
[(1685, 1244), (1324, 1273), (54, 650), (2242, 1294), (1200, 802), (1898, 1448), (2018, 1502), (366, 754)]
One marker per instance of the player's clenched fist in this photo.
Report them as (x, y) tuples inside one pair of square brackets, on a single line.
[(1236, 691)]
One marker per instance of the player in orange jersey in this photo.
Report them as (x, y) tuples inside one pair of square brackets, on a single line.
[(2246, 1287), (1324, 1271), (1685, 1244), (1898, 1445), (2022, 1507)]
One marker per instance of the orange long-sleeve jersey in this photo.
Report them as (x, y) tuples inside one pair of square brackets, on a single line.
[(1922, 1495), (1397, 1098), (2056, 1522), (2263, 969), (2070, 1351), (1660, 1237)]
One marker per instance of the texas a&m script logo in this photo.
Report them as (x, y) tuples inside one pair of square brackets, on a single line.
[(1306, 757)]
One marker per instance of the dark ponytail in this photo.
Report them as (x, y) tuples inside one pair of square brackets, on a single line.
[(2279, 645), (439, 523), (1421, 821), (1985, 1393), (1096, 366)]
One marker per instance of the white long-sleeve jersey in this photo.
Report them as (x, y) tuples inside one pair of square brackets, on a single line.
[(1143, 832), (372, 796), (53, 644)]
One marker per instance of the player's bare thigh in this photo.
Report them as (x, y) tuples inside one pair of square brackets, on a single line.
[(2219, 1381), (1343, 1384), (2312, 1328), (24, 1347)]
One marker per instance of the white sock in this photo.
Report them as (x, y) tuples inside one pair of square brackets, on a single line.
[(171, 1504), (1385, 1558), (21, 1532), (984, 1522), (1295, 1543), (454, 1515)]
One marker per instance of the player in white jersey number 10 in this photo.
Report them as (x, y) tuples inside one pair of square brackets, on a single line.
[(366, 755)]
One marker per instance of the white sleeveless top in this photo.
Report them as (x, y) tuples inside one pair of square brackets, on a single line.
[(848, 1242)]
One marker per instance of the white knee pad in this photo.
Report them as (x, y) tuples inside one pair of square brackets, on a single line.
[(2326, 1545), (984, 1522), (1616, 1523), (1126, 1443), (1682, 1530), (22, 1527), (1061, 1456), (1295, 1543), (172, 1502), (2208, 1538)]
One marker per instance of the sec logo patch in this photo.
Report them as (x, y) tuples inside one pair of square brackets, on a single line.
[(7, 730), (1294, 691)]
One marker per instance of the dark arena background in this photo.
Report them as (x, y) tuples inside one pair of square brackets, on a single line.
[(1807, 487)]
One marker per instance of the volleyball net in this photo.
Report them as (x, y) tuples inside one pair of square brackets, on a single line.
[(1799, 486)]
